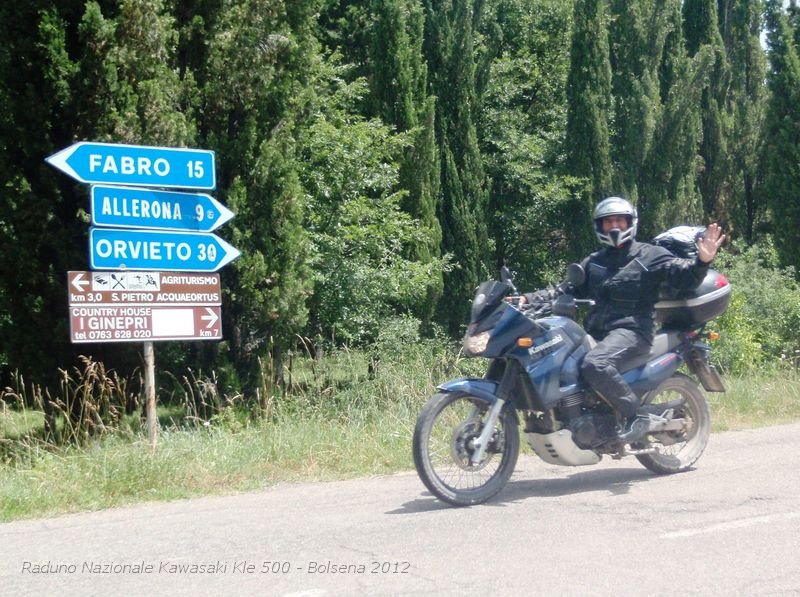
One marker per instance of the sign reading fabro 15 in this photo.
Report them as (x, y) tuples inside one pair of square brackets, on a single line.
[(144, 306)]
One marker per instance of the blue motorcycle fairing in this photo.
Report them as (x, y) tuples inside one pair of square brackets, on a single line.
[(511, 325), (485, 389), (648, 376), (553, 361)]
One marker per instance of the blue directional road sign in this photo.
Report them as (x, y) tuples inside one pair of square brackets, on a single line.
[(137, 165), (117, 249), (131, 207)]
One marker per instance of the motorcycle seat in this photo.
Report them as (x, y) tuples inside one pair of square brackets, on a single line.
[(662, 343)]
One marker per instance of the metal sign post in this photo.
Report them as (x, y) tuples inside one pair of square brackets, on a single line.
[(150, 393)]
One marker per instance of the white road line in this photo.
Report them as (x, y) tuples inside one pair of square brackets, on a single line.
[(731, 525)]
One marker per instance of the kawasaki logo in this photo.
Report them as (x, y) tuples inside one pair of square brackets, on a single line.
[(557, 340)]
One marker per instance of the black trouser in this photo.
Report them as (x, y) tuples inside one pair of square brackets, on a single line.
[(600, 368)]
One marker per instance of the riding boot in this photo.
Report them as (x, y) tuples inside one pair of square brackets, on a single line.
[(647, 417)]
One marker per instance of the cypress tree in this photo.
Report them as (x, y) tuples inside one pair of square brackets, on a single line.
[(258, 80), (638, 32), (399, 92), (782, 147), (41, 236), (521, 131), (589, 111), (132, 85), (748, 73), (701, 27), (668, 193), (448, 49)]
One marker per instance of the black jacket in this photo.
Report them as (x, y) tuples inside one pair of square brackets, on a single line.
[(625, 284)]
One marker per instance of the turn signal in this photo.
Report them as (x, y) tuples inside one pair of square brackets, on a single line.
[(524, 342), (713, 336)]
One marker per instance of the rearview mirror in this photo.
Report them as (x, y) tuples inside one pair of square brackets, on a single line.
[(576, 275), (507, 278)]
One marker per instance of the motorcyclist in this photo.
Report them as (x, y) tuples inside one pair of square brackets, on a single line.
[(623, 278)]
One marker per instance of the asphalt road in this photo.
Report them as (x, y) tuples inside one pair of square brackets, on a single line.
[(729, 527)]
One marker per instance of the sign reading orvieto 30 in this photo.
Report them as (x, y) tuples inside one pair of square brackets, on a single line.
[(137, 165), (110, 248), (135, 306)]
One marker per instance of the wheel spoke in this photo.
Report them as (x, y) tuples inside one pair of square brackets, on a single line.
[(444, 443), (450, 447), (678, 450)]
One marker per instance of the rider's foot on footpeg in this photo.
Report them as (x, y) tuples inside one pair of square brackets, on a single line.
[(635, 429), (646, 415)]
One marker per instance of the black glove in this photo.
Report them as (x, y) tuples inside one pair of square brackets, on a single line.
[(541, 296)]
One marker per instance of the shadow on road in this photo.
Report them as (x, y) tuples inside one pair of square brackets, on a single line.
[(612, 481)]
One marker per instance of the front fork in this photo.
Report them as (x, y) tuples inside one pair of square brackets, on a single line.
[(507, 385), (479, 445)]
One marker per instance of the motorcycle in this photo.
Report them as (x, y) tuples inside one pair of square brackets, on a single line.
[(467, 440)]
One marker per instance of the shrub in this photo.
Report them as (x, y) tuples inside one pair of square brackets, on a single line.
[(761, 328)]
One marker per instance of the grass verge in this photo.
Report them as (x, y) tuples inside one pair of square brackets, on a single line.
[(364, 429), (118, 471)]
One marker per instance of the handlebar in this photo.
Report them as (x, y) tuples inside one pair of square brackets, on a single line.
[(540, 308)]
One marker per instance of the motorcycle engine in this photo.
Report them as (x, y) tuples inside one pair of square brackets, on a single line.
[(592, 430)]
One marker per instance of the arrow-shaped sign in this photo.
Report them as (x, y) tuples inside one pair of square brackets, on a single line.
[(79, 283), (110, 248), (131, 207), (211, 317), (138, 165)]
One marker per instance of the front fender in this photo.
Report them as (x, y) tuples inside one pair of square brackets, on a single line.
[(478, 387)]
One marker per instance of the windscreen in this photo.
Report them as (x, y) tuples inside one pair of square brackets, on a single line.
[(489, 295)]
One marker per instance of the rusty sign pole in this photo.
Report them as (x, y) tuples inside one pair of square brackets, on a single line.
[(150, 393)]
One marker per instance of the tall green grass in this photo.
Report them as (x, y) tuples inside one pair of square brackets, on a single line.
[(191, 463), (756, 400), (337, 417)]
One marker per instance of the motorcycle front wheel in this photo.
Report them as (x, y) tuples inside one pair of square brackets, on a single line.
[(443, 445), (679, 450)]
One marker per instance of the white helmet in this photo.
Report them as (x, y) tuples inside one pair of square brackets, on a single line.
[(615, 206)]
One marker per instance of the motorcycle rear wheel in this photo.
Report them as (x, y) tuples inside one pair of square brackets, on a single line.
[(445, 430), (679, 451)]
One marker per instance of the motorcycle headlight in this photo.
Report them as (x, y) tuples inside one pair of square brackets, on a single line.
[(477, 344)]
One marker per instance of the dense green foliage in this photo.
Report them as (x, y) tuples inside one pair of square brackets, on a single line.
[(384, 156), (782, 146), (761, 328)]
